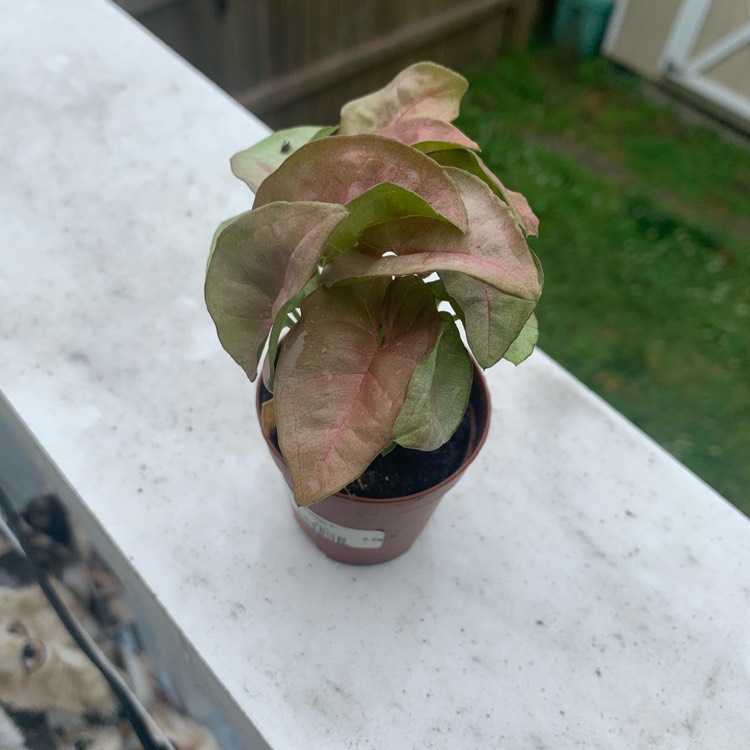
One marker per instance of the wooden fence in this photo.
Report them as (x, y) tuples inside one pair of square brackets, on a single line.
[(296, 61)]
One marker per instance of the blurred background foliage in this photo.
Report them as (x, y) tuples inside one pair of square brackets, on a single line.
[(645, 220)]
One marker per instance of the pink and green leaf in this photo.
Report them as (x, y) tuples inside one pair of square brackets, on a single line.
[(254, 164), (489, 271), (470, 162), (380, 205), (427, 134), (261, 261), (215, 238), (492, 250), (342, 376), (421, 90), (492, 318), (281, 323), (340, 169), (438, 393), (523, 346)]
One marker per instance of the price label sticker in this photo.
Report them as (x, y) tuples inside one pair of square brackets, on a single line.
[(358, 538)]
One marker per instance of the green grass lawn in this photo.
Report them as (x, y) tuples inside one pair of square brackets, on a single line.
[(645, 227)]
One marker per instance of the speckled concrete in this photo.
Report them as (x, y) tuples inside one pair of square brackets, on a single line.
[(579, 589)]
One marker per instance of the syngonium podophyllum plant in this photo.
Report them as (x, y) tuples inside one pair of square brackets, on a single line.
[(371, 242)]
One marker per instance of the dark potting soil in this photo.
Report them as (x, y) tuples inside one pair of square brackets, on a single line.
[(404, 471)]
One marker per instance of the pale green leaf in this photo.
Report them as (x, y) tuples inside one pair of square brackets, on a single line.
[(523, 346), (254, 164), (438, 393), (325, 132)]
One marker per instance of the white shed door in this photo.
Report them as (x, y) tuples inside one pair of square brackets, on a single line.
[(708, 52)]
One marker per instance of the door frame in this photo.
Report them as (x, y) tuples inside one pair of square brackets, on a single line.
[(679, 66)]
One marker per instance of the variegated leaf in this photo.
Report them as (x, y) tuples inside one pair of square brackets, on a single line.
[(438, 393), (341, 168), (261, 260), (472, 163), (422, 90), (342, 376)]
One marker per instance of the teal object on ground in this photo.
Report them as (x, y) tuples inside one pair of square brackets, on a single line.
[(580, 24)]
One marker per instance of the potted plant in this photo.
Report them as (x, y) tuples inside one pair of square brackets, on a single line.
[(371, 244)]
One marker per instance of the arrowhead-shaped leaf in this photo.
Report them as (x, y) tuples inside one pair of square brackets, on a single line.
[(493, 319), (341, 168), (254, 164), (379, 205), (523, 346), (421, 90), (492, 250), (261, 260), (342, 376), (489, 271), (438, 393), (427, 134), (471, 163)]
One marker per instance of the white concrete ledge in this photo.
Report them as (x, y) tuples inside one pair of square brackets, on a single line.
[(579, 588)]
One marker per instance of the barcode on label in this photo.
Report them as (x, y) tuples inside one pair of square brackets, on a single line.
[(327, 533), (361, 538)]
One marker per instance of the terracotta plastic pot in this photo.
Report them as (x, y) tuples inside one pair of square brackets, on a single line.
[(362, 530)]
